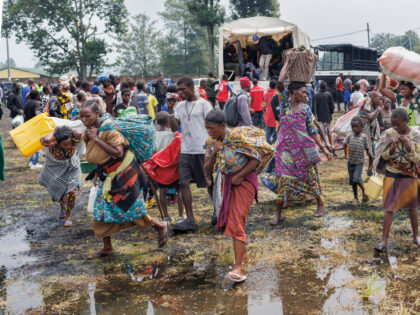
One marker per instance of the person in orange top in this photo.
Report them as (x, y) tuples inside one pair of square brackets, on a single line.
[(202, 90), (257, 98)]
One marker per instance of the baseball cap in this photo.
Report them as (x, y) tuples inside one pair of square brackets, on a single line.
[(255, 38)]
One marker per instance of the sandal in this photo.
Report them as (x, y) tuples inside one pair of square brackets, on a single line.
[(68, 223), (381, 248), (99, 254), (233, 276), (365, 199), (164, 239), (417, 243), (320, 213), (276, 221), (62, 215)]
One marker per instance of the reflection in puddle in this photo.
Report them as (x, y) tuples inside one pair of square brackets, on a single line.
[(21, 295)]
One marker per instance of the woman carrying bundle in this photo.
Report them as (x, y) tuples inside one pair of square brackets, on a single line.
[(239, 154), (297, 155), (119, 201), (398, 156), (405, 98)]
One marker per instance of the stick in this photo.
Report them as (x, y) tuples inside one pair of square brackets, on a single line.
[(154, 191)]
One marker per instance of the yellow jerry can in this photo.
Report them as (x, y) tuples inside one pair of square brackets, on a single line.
[(27, 136), (374, 187)]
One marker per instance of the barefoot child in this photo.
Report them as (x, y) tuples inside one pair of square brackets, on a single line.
[(398, 156), (61, 171), (357, 143), (163, 165)]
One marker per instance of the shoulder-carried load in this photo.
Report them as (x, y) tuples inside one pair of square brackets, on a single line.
[(401, 64), (302, 63), (138, 130)]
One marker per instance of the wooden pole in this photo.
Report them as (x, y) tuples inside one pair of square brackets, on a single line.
[(152, 186)]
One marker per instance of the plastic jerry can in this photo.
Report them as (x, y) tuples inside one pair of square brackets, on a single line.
[(374, 187), (27, 136)]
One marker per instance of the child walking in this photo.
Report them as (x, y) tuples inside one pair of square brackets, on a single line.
[(398, 155), (61, 172), (163, 165), (356, 144)]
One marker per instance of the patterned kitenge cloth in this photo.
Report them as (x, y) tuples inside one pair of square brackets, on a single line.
[(138, 130), (249, 141), (120, 198), (297, 156)]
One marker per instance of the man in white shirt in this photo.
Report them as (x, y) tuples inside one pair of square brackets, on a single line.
[(190, 114)]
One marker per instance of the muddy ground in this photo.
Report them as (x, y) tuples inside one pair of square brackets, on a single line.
[(308, 265)]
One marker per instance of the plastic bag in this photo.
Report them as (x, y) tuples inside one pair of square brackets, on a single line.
[(343, 125), (401, 64), (17, 121), (217, 193), (92, 197)]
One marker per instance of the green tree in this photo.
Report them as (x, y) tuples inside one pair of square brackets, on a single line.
[(138, 48), (381, 41), (209, 14), (64, 34), (409, 40), (183, 49), (4, 64), (249, 8)]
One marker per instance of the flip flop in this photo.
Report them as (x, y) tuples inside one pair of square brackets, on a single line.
[(238, 278), (68, 223), (417, 243), (163, 240), (99, 254), (276, 222), (381, 248), (62, 215), (320, 213)]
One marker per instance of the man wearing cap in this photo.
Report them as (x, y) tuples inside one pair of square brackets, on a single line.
[(243, 101), (264, 53)]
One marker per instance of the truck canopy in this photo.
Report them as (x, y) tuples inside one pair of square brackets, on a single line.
[(242, 31)]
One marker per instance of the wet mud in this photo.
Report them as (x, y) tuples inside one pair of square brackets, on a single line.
[(307, 265)]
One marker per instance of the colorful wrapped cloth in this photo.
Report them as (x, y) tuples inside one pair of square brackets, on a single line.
[(296, 149), (297, 156), (163, 166), (400, 192), (290, 189), (249, 141), (138, 130), (123, 180)]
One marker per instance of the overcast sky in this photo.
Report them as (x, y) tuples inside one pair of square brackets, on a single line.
[(318, 18)]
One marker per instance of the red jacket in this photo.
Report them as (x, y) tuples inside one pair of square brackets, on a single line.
[(269, 119), (163, 166)]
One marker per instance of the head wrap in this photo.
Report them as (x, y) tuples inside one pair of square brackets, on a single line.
[(216, 116), (245, 82), (295, 85), (94, 89)]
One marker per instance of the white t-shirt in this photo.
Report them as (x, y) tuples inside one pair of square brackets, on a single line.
[(163, 139), (192, 117)]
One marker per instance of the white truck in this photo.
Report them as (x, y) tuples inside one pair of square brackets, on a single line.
[(240, 32)]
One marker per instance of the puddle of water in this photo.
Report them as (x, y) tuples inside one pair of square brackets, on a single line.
[(344, 300), (22, 295), (14, 248)]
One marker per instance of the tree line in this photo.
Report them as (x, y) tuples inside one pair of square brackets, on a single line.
[(79, 35)]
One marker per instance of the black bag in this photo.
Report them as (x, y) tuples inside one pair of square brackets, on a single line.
[(231, 111)]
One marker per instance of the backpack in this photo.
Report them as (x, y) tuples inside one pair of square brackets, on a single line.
[(231, 111)]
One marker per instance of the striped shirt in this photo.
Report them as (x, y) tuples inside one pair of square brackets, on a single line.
[(357, 148)]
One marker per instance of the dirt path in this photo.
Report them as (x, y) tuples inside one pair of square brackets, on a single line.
[(308, 265)]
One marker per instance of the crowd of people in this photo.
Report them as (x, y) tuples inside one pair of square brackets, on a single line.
[(278, 135)]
